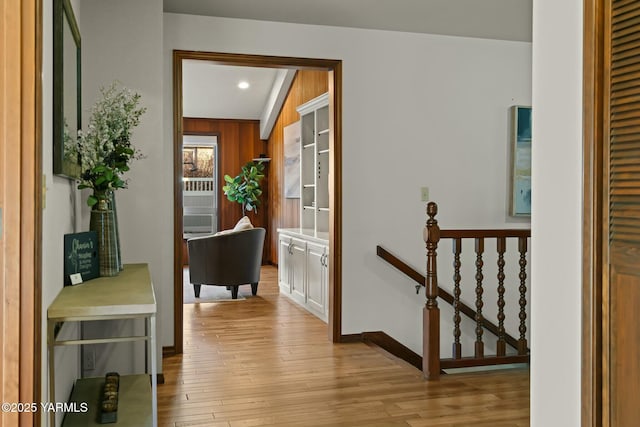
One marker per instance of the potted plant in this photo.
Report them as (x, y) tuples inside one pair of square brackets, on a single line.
[(106, 151), (245, 187)]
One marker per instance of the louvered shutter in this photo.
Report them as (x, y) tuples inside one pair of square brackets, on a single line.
[(625, 122), (623, 293)]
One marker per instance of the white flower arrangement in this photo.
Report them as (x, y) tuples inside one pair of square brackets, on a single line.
[(105, 147)]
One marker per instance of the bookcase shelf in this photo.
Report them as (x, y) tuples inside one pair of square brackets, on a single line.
[(314, 163), (303, 268)]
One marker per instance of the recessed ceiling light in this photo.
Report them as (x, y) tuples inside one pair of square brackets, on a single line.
[(243, 85)]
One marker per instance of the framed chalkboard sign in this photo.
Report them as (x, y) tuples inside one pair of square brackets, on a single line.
[(80, 257)]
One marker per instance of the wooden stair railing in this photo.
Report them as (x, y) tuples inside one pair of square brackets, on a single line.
[(431, 362), (442, 293)]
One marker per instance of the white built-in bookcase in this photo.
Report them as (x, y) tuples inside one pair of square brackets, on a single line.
[(303, 257), (314, 164)]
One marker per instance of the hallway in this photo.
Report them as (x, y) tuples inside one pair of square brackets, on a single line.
[(264, 361)]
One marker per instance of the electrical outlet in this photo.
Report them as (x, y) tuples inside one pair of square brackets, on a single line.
[(89, 356), (424, 194)]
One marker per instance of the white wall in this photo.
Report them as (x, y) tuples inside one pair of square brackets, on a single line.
[(113, 47), (414, 106), (557, 212), (122, 41)]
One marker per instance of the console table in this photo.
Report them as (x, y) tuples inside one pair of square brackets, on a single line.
[(126, 296)]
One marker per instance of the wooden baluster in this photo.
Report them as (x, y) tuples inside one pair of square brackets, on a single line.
[(431, 312), (457, 347), (501, 344), (522, 248), (479, 347)]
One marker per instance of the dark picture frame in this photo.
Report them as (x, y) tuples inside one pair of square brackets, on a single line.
[(66, 90)]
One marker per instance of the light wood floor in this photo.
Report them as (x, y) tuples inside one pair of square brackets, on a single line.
[(265, 362)]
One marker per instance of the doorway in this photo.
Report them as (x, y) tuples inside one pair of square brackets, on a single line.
[(334, 69)]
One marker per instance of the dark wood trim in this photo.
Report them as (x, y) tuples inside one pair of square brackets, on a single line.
[(217, 120), (335, 227), (468, 362), (404, 268), (160, 378), (387, 343), (266, 61), (442, 293), (335, 201), (592, 232), (349, 338), (394, 347), (38, 184), (177, 203), (481, 233), (169, 351)]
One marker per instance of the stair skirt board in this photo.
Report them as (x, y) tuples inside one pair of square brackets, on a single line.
[(399, 350)]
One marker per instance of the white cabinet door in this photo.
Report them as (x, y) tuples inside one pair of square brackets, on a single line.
[(325, 283), (316, 294), (303, 271), (296, 268), (284, 261)]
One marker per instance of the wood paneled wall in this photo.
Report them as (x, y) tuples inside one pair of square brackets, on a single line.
[(238, 142), (284, 213)]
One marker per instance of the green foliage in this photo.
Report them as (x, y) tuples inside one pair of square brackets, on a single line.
[(105, 147), (245, 187)]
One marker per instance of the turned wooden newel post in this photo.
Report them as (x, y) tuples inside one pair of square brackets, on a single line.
[(431, 312), (522, 248)]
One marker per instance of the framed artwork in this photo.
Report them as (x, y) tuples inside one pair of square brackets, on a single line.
[(66, 90), (292, 161), (520, 160)]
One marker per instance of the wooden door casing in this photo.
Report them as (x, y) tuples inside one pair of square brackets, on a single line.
[(21, 194)]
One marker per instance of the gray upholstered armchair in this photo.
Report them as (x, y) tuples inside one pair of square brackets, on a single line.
[(231, 259)]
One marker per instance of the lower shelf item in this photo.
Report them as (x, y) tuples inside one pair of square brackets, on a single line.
[(109, 400), (134, 402)]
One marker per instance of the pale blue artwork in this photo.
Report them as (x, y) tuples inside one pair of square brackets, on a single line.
[(521, 167), (522, 195), (292, 161)]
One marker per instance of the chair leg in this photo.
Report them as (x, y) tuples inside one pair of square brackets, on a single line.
[(234, 292), (254, 288), (196, 290)]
